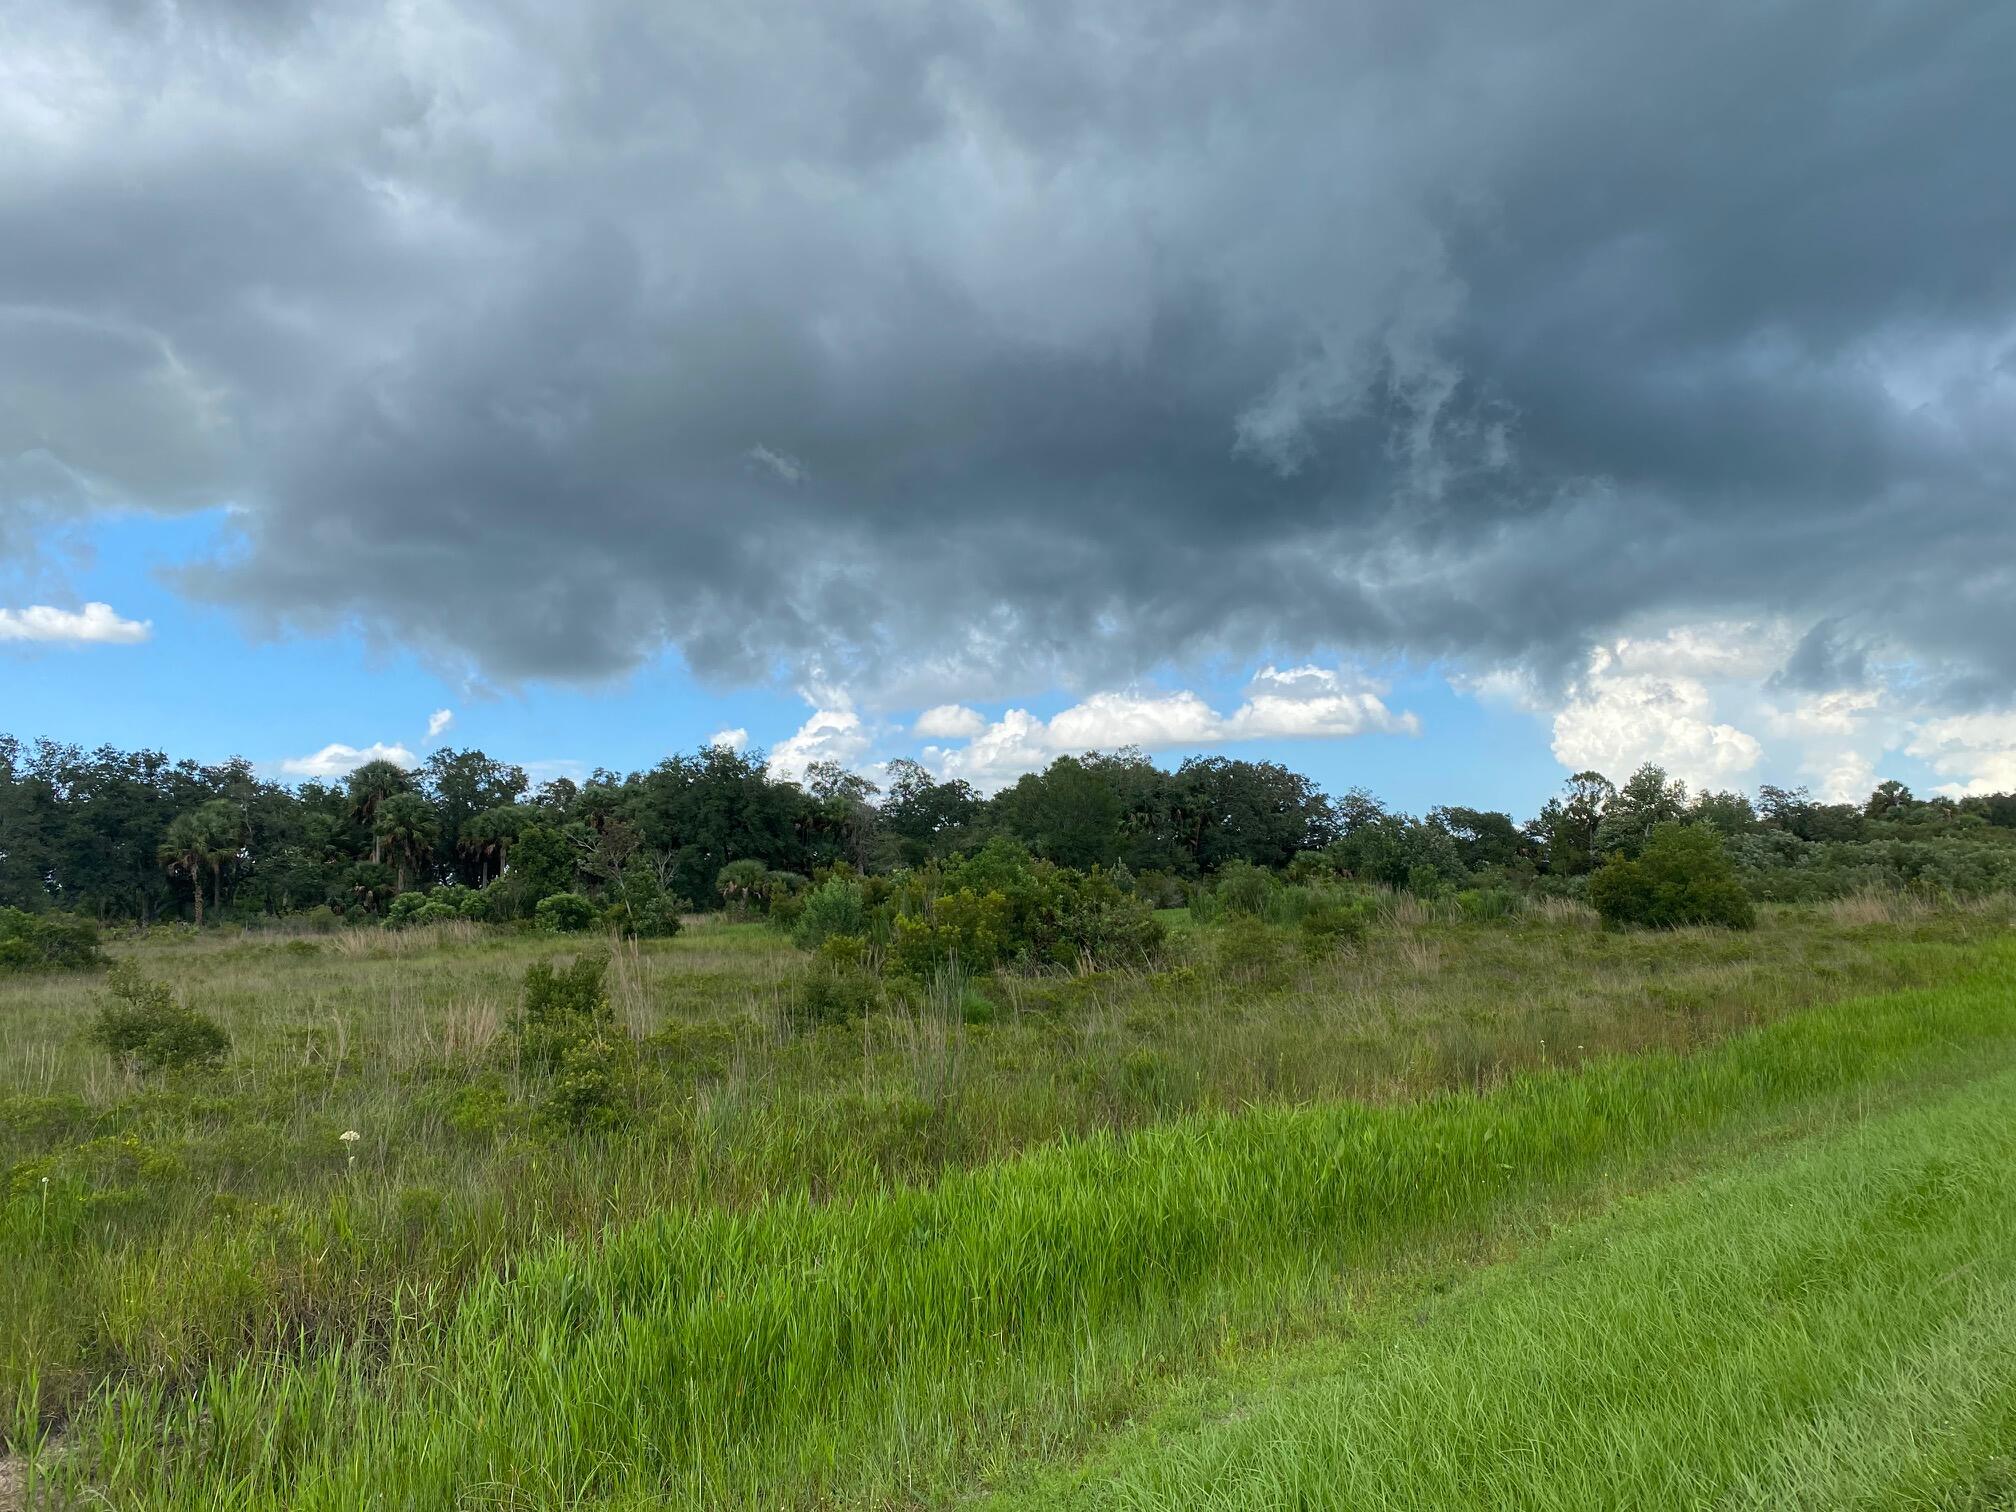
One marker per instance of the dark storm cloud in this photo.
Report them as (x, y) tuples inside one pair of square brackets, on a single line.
[(1090, 335)]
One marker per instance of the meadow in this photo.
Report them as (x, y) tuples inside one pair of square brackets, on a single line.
[(953, 1245)]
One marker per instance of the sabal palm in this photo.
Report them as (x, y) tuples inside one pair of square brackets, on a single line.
[(370, 786), (408, 827), (184, 849), (222, 828)]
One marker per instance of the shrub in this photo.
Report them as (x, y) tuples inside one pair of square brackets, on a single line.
[(1098, 923), (1682, 877), (46, 942), (1248, 950), (1244, 888), (740, 884), (831, 995), (592, 1087), (964, 928), (1424, 880), (1329, 926), (834, 907), (559, 1005), (1487, 902), (145, 1029), (567, 1030), (655, 917), (565, 913), (411, 908)]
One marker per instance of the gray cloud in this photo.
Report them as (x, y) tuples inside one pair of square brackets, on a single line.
[(1095, 335)]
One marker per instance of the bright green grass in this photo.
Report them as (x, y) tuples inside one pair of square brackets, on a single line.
[(859, 1350), (190, 1222), (1832, 1326)]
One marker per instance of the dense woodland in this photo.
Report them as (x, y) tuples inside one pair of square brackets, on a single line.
[(134, 836)]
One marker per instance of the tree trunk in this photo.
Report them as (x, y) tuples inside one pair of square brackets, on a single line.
[(197, 878)]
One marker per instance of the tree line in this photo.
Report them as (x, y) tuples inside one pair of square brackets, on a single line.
[(135, 836)]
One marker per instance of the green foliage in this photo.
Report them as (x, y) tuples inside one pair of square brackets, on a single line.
[(742, 885), (1334, 924), (594, 1084), (146, 1029), (813, 1336), (651, 917), (834, 907), (1248, 950), (1681, 877), (567, 1031), (1481, 903), (832, 993), (541, 864), (411, 908), (566, 913), (1244, 888), (965, 930), (558, 1005), (47, 942)]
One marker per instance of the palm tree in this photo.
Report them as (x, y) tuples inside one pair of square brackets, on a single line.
[(184, 849), (406, 824), (486, 837), (369, 786), (222, 828)]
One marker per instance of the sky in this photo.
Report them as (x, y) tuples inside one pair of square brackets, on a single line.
[(1440, 398)]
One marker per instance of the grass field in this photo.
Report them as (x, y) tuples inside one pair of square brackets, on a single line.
[(959, 1244)]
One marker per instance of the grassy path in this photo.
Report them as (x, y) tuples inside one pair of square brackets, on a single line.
[(1829, 1326), (887, 1348)]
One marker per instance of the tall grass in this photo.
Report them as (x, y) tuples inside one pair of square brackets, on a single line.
[(798, 1351), (1832, 1326)]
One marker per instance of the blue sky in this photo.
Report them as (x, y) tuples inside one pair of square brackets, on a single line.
[(208, 683)]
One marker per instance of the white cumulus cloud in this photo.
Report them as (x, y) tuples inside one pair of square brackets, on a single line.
[(339, 760), (1977, 752), (833, 733), (949, 722), (1618, 717), (1296, 703), (439, 723), (95, 624), (733, 740)]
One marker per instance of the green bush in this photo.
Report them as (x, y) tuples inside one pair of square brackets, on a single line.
[(831, 995), (46, 942), (1248, 950), (1244, 888), (1487, 902), (1328, 927), (565, 913), (834, 907), (1682, 877), (963, 929), (411, 908), (655, 917), (145, 1029), (567, 1031)]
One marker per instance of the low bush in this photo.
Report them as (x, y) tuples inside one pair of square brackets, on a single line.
[(47, 942), (1682, 877), (831, 995), (565, 913), (567, 1031), (412, 908), (145, 1029), (834, 907), (1329, 927)]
